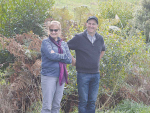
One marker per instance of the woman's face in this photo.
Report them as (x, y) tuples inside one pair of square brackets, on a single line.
[(54, 31)]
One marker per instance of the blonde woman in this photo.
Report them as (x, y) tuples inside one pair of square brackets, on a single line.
[(55, 55)]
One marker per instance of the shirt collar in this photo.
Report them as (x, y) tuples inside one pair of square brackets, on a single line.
[(91, 38), (90, 35)]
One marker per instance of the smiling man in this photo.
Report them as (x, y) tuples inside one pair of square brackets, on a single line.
[(89, 48)]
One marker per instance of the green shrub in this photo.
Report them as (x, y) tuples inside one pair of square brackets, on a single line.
[(128, 106), (22, 16), (81, 14), (35, 107), (63, 16), (5, 59), (141, 20), (72, 86), (119, 51), (111, 8)]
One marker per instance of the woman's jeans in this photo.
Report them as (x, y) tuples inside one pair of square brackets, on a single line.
[(88, 85), (52, 94)]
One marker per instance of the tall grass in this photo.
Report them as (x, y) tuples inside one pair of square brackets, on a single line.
[(71, 4), (128, 106), (92, 4)]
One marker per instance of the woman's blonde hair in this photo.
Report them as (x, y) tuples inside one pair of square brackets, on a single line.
[(53, 23)]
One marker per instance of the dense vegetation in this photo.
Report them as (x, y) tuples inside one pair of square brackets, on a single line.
[(15, 16), (125, 81)]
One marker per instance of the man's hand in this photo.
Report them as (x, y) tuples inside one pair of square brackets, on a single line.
[(102, 54), (73, 61)]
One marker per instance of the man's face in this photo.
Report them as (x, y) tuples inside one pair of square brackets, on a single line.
[(91, 26)]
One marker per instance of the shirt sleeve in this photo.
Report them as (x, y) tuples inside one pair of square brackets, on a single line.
[(103, 47), (73, 44), (68, 59), (46, 49)]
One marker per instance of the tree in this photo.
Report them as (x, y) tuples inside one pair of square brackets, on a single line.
[(62, 15), (81, 14), (141, 20), (110, 8), (22, 16)]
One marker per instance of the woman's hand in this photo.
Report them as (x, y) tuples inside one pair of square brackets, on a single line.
[(52, 51)]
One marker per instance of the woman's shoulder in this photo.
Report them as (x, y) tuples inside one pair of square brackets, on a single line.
[(63, 42), (46, 40)]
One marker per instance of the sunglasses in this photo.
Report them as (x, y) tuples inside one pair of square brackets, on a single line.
[(51, 30)]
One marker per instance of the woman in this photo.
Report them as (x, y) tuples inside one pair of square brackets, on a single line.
[(55, 55)]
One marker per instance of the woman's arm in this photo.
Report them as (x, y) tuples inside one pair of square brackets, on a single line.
[(47, 50), (68, 57)]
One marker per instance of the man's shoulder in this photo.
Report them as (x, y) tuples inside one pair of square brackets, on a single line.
[(79, 34), (98, 35)]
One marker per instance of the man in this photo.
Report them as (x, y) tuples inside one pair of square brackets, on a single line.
[(89, 48)]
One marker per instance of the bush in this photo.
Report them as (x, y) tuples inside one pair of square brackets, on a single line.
[(63, 16), (141, 21), (22, 16), (111, 8), (119, 50), (81, 14), (22, 82), (128, 106), (5, 59)]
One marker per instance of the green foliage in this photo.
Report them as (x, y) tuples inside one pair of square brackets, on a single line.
[(81, 14), (2, 79), (91, 4), (128, 106), (147, 30), (141, 62), (110, 8), (5, 59), (141, 21), (22, 16), (72, 86), (119, 51), (71, 4), (122, 52), (35, 107), (63, 16)]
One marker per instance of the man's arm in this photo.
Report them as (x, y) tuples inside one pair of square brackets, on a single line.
[(102, 53), (73, 43)]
